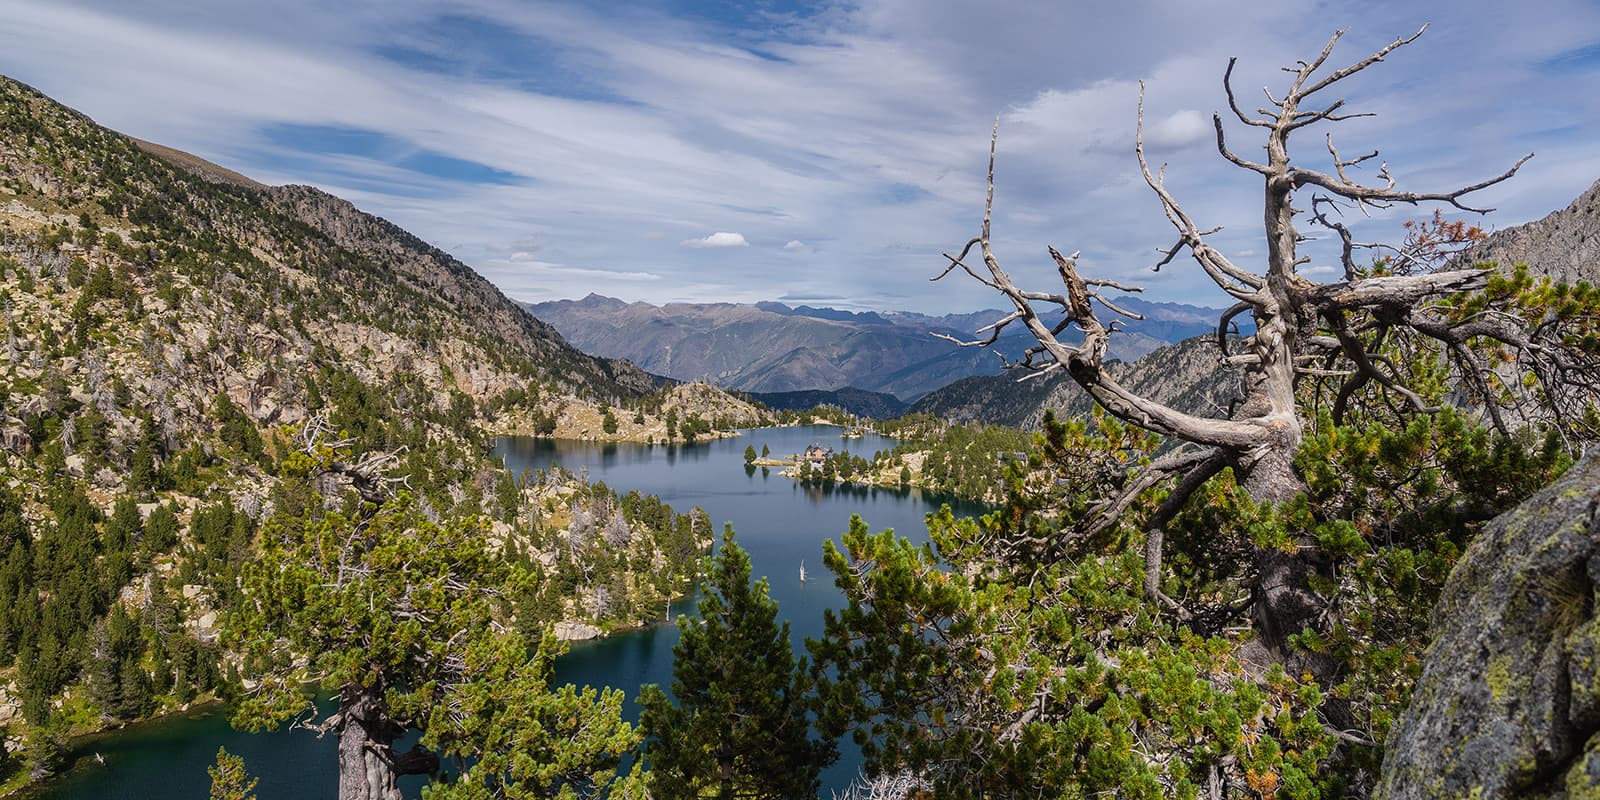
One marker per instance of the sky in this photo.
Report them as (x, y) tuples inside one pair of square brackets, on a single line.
[(821, 154)]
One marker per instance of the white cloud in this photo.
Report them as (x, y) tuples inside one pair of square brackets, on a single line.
[(630, 129), (527, 266), (1180, 129), (718, 239)]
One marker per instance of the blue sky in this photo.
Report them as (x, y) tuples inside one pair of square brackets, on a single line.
[(824, 153)]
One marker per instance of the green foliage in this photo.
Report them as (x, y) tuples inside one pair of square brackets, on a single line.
[(220, 542), (235, 429), (43, 746), (967, 461), (391, 611), (331, 588), (9, 763), (229, 780), (160, 532), (1009, 657), (622, 559), (524, 739), (18, 597), (738, 727), (117, 681), (509, 496)]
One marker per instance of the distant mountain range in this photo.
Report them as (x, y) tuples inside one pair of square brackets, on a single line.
[(771, 347)]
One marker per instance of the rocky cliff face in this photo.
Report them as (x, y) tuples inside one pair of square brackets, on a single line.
[(1564, 245), (1508, 704)]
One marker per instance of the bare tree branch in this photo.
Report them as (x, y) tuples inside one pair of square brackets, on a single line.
[(1227, 86), (1200, 471), (1340, 75), (1369, 194)]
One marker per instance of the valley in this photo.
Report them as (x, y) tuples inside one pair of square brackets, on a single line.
[(295, 502)]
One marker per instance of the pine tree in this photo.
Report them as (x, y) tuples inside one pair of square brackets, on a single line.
[(8, 763), (739, 728), (229, 780), (402, 618), (16, 576)]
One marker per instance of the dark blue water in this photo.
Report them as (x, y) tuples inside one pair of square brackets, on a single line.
[(780, 523)]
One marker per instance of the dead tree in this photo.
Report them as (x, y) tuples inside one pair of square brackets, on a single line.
[(1303, 329), (370, 474)]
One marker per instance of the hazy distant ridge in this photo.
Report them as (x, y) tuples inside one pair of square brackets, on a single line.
[(773, 347)]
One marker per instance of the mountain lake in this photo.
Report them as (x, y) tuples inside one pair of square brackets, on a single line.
[(779, 522)]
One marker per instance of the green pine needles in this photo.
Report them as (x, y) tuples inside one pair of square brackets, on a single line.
[(736, 725), (1009, 658)]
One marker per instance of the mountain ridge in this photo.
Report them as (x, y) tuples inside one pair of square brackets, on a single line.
[(1564, 244), (771, 347)]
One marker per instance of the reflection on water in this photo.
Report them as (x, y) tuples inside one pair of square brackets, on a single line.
[(780, 523)]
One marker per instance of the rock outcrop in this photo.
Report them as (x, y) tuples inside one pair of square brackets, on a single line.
[(1508, 704), (1564, 245)]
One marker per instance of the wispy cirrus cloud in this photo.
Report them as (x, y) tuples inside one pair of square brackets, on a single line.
[(608, 134)]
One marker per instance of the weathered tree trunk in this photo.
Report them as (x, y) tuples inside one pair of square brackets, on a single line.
[(1284, 602), (366, 759)]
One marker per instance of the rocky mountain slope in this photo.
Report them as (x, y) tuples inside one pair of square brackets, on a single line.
[(133, 282), (1564, 245), (771, 347), (1188, 375), (191, 358)]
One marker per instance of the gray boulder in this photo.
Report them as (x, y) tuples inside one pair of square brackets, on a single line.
[(1508, 704)]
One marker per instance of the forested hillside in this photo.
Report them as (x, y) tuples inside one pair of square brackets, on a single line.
[(200, 370)]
